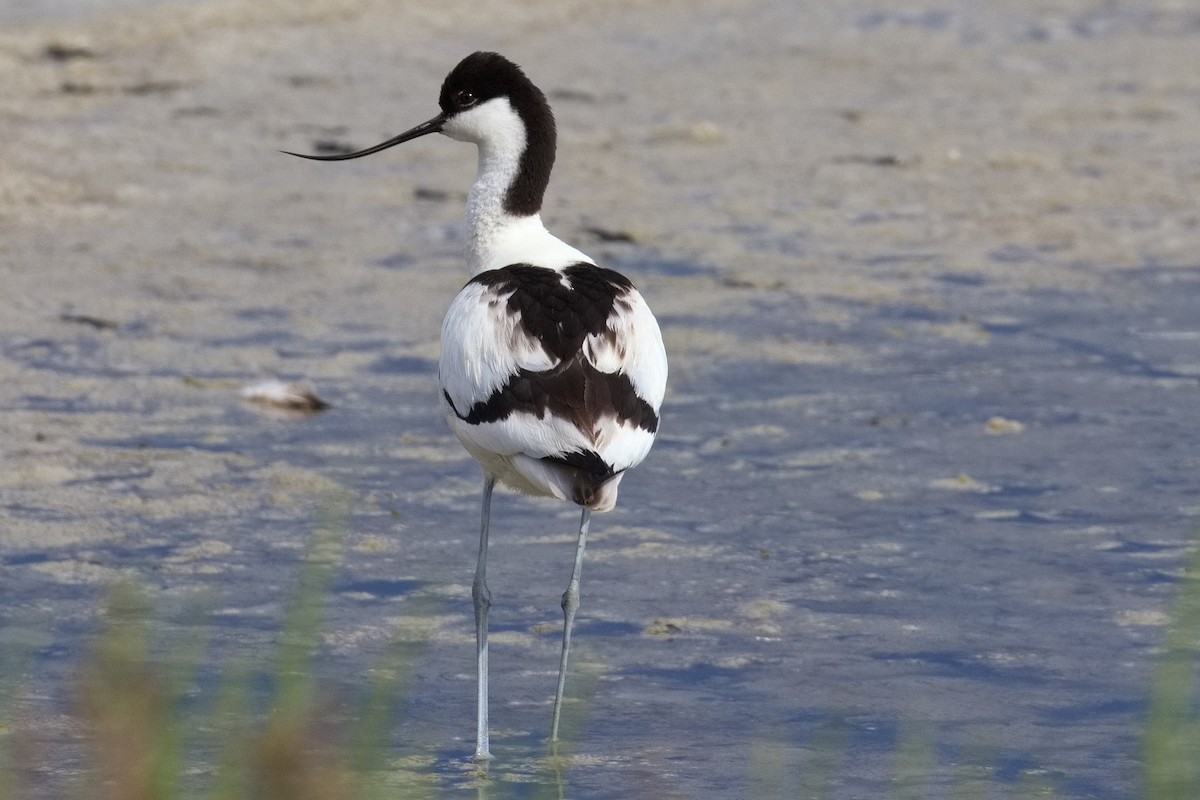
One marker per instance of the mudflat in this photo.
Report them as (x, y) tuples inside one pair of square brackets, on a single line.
[(927, 282)]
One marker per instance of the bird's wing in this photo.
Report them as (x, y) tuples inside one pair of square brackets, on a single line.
[(548, 364)]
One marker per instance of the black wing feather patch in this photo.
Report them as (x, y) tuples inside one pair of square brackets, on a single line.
[(560, 316)]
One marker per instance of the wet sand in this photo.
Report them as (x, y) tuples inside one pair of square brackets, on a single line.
[(921, 273)]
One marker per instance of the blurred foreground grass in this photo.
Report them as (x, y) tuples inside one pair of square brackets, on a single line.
[(146, 737)]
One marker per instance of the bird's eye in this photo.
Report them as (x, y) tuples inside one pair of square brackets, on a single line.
[(465, 99)]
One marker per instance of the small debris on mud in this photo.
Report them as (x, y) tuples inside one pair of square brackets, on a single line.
[(284, 396)]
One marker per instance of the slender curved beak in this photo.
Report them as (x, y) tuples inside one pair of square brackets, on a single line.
[(432, 126)]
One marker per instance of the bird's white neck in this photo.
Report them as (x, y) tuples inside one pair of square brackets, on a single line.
[(487, 221), (504, 225), (496, 236)]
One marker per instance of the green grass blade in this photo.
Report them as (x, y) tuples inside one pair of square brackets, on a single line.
[(301, 632), (916, 756), (1171, 738)]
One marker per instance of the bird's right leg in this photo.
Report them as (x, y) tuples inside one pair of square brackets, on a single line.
[(483, 601), (570, 604)]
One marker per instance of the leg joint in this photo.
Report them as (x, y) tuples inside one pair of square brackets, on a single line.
[(481, 594), (570, 599)]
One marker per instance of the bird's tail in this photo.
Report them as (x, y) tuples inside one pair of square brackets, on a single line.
[(592, 480)]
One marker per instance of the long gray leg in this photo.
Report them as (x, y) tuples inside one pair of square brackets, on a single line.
[(482, 598), (570, 604)]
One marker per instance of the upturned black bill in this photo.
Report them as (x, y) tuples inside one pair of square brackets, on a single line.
[(432, 126)]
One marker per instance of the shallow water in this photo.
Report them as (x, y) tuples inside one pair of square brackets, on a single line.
[(823, 546)]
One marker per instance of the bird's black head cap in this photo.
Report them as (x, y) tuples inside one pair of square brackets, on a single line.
[(484, 76)]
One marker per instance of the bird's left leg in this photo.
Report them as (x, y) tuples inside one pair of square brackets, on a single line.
[(482, 599), (570, 604)]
